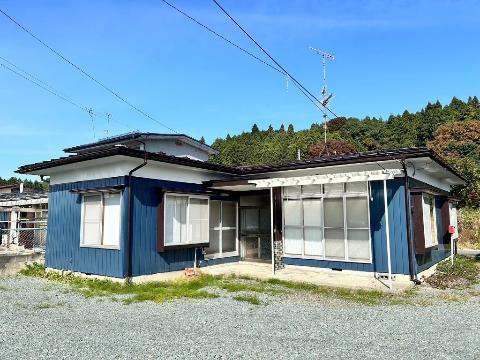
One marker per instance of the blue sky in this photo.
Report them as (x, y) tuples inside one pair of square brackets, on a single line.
[(391, 56)]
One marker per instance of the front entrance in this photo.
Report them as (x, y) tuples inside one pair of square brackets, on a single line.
[(254, 234)]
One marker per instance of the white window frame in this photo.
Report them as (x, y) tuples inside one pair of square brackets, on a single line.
[(100, 246), (344, 195), (434, 239), (220, 228), (188, 196)]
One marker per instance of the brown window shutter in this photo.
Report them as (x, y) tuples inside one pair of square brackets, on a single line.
[(417, 217), (161, 223), (277, 213), (445, 211)]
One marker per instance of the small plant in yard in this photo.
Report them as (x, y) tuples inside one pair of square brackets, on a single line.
[(463, 273), (249, 299)]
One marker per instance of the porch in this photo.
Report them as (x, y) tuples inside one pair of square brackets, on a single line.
[(316, 276)]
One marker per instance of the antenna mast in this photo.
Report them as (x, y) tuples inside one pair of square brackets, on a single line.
[(325, 98)]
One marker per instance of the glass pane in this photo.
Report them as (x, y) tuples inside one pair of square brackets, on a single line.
[(332, 189), (92, 232), (229, 214), (229, 240), (334, 244), (214, 214), (92, 207), (357, 212), (198, 220), (265, 221), (311, 190), (250, 223), (214, 247), (312, 212), (293, 212), (111, 219), (313, 240), (291, 191), (169, 216), (293, 240), (176, 219), (356, 187), (358, 245), (333, 209)]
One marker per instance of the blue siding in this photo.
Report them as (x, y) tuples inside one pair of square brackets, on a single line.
[(145, 258), (63, 239), (398, 233), (430, 258)]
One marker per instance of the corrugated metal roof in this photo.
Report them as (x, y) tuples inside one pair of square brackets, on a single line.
[(139, 135), (23, 196), (370, 156)]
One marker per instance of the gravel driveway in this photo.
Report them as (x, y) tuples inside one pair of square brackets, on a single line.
[(40, 319)]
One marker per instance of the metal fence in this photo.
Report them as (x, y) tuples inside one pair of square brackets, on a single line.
[(27, 234)]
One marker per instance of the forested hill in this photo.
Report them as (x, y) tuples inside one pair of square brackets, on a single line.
[(452, 130)]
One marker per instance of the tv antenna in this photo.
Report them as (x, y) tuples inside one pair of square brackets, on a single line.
[(326, 98)]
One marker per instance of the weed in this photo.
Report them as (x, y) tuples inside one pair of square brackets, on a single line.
[(249, 299), (462, 274)]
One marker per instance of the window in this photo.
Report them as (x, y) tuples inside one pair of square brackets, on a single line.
[(429, 220), (101, 220), (329, 221), (186, 219), (223, 228)]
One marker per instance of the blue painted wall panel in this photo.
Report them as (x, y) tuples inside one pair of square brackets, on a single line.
[(146, 260), (398, 233), (63, 239)]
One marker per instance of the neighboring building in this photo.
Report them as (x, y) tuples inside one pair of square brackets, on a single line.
[(23, 216), (120, 211)]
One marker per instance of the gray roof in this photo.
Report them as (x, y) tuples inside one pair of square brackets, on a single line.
[(37, 195), (137, 135)]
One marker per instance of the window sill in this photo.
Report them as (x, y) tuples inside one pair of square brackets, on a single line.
[(106, 247), (222, 256), (320, 258), (184, 246)]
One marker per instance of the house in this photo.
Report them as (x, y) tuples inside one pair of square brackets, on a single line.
[(144, 203), (23, 216)]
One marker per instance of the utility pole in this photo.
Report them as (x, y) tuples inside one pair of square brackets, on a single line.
[(325, 98)]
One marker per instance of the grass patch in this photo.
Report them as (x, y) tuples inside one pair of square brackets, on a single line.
[(253, 300), (196, 288), (47, 305), (154, 291), (464, 273)]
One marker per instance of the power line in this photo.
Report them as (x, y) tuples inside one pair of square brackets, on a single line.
[(222, 37), (84, 72), (47, 87), (295, 81), (240, 48)]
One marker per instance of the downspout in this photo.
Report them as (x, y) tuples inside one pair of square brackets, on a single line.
[(271, 230), (411, 255), (387, 230), (129, 218)]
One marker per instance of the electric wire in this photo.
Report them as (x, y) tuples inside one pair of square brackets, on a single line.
[(50, 89), (295, 81), (182, 12), (84, 72)]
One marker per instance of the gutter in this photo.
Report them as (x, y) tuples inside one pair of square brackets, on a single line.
[(129, 221), (411, 255)]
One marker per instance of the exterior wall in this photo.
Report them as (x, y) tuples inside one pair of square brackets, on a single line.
[(438, 253), (170, 147), (63, 239), (63, 242), (398, 233)]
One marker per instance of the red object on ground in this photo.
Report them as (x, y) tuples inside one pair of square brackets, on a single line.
[(451, 229)]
